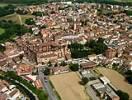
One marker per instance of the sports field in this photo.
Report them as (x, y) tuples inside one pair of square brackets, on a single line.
[(68, 87), (117, 80)]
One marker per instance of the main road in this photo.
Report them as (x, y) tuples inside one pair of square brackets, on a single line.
[(47, 85)]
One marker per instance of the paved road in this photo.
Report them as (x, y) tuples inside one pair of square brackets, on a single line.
[(47, 86)]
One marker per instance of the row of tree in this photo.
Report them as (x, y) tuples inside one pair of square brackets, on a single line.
[(79, 50)]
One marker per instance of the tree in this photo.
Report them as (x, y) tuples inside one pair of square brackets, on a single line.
[(29, 21), (84, 80), (122, 95), (100, 40), (2, 48), (46, 71), (9, 9), (100, 48), (115, 65), (128, 76), (44, 26), (129, 72), (55, 65), (74, 67), (92, 43), (38, 13), (75, 45), (21, 12), (63, 63), (79, 50), (49, 64), (129, 79), (128, 12)]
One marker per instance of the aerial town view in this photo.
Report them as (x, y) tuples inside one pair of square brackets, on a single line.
[(65, 49)]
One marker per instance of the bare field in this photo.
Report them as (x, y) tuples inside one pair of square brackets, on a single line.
[(117, 80), (68, 87)]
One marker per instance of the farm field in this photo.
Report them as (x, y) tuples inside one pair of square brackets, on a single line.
[(117, 80), (68, 87)]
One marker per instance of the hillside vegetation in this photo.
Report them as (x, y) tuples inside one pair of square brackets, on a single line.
[(23, 1), (113, 2), (45, 1)]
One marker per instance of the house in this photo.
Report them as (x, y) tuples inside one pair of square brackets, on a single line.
[(3, 96), (3, 59), (24, 69), (92, 57), (105, 91), (9, 92), (60, 70), (105, 80), (31, 77), (38, 84), (88, 65), (14, 94), (110, 53)]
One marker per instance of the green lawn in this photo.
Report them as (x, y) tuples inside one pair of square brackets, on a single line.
[(2, 31)]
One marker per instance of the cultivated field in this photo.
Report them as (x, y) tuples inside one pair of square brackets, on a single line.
[(68, 87), (117, 80)]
